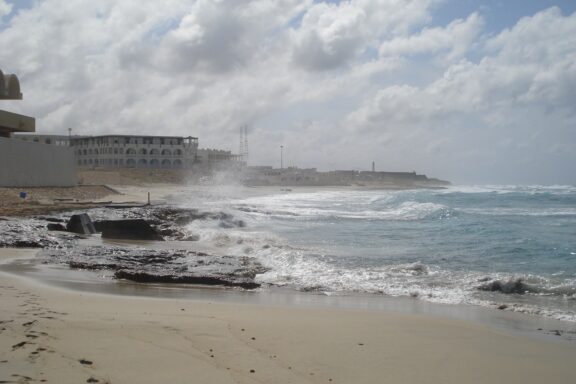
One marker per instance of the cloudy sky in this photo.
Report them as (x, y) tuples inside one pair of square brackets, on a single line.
[(467, 90)]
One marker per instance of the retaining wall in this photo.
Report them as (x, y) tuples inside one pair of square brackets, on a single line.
[(29, 164)]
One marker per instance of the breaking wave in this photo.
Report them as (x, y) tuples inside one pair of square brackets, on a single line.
[(509, 247)]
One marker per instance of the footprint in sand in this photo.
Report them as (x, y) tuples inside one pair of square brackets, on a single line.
[(20, 345), (85, 362), (30, 323)]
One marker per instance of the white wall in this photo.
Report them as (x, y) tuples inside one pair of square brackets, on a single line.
[(26, 164)]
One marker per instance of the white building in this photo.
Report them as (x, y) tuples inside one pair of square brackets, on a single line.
[(127, 151), (217, 159)]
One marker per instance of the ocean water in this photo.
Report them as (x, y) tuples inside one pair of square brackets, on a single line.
[(507, 246)]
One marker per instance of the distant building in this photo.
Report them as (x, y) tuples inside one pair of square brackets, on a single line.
[(267, 175), (292, 176), (217, 159), (127, 151), (59, 140)]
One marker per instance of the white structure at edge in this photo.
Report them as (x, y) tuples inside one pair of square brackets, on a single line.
[(126, 151)]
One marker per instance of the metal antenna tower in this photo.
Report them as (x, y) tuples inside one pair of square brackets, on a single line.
[(246, 144), (243, 147), (241, 144)]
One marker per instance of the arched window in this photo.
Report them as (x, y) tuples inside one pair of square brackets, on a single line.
[(142, 163), (177, 163), (154, 151), (178, 152), (130, 162), (166, 152), (130, 151), (166, 163), (143, 151), (154, 163)]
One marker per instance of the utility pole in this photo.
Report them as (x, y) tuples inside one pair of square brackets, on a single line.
[(281, 155)]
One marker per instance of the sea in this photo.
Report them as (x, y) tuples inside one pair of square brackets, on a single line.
[(506, 247)]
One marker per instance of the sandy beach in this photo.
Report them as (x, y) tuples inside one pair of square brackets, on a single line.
[(53, 335)]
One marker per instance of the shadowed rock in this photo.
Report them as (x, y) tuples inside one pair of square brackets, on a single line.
[(55, 227), (81, 224), (130, 229), (146, 277)]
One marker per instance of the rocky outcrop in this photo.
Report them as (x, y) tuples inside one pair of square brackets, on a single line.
[(130, 229), (517, 286), (55, 227), (180, 266), (81, 224), (32, 233), (146, 277)]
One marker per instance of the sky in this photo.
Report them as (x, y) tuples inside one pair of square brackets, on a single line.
[(472, 91)]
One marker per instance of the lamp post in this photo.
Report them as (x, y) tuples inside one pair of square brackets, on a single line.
[(281, 154)]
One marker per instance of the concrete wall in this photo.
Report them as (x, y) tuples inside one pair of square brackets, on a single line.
[(26, 164)]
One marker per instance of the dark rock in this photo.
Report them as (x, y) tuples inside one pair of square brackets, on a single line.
[(146, 277), (131, 229), (25, 244), (52, 219), (81, 224), (510, 287), (56, 227), (502, 306), (182, 266), (92, 266)]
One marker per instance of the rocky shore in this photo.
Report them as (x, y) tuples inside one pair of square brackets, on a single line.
[(132, 261)]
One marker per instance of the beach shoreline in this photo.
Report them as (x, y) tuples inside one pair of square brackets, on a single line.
[(22, 263), (74, 336)]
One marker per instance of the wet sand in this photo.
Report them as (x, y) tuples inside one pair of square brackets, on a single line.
[(66, 336)]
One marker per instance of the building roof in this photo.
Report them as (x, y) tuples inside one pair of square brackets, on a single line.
[(147, 136), (13, 122)]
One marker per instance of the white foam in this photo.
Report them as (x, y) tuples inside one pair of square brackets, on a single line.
[(542, 212)]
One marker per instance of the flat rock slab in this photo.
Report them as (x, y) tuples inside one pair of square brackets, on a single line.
[(161, 266)]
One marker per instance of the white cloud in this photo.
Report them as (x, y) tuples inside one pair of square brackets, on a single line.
[(456, 39), (332, 35), (527, 66), (5, 8), (340, 84), (521, 92)]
